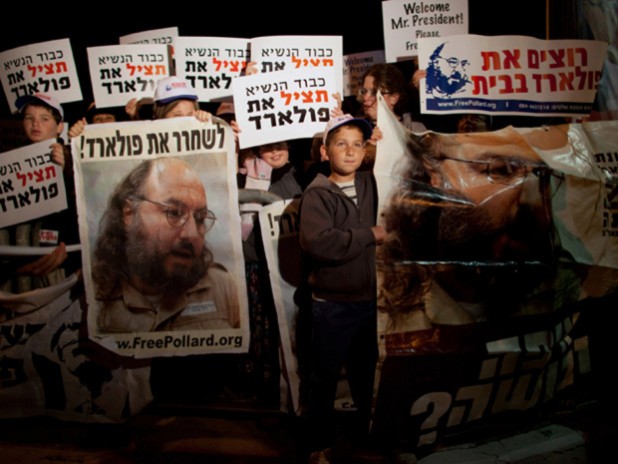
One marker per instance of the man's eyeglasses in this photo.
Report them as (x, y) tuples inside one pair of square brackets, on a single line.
[(454, 62), (372, 93), (177, 214), (503, 170)]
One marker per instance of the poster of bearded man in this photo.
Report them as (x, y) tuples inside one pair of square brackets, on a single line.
[(158, 216)]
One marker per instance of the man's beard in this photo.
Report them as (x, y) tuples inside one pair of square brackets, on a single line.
[(469, 234), (486, 261), (145, 260)]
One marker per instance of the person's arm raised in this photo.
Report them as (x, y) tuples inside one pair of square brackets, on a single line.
[(77, 128)]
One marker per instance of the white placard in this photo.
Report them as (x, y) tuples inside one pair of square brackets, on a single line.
[(515, 75), (354, 66), (165, 36), (282, 53), (119, 73), (210, 64), (406, 22), (283, 105), (31, 184), (46, 67)]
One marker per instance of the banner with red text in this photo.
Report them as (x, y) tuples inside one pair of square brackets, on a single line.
[(210, 64), (283, 105), (514, 75), (46, 67), (32, 184), (119, 73)]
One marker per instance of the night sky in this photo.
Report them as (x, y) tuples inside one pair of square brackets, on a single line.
[(360, 25)]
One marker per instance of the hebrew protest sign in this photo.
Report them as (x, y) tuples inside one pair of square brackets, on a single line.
[(183, 290)]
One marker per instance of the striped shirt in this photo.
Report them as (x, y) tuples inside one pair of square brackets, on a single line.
[(349, 189)]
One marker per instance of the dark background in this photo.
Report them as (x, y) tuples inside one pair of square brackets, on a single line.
[(359, 22)]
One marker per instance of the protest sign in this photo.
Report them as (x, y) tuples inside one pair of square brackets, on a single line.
[(210, 64), (119, 73), (46, 67), (165, 36), (283, 105), (405, 23), (514, 75), (354, 66), (32, 185), (279, 227), (202, 291), (282, 53)]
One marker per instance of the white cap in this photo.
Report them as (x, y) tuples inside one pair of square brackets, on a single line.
[(173, 88), (346, 119), (48, 100)]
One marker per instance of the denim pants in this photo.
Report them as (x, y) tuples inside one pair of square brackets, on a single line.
[(343, 334)]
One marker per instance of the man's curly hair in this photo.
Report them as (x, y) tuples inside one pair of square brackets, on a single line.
[(109, 268)]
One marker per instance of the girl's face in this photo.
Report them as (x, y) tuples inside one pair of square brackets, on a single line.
[(275, 155), (368, 98), (182, 108)]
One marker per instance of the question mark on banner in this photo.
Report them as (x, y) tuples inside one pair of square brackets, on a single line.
[(441, 402)]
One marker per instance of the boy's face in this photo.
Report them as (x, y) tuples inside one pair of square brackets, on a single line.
[(40, 124), (102, 118), (275, 155), (345, 150)]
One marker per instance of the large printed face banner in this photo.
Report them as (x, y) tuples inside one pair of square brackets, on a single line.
[(158, 212), (486, 222), (496, 243), (500, 246)]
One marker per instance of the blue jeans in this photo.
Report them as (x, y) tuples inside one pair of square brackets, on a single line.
[(343, 334)]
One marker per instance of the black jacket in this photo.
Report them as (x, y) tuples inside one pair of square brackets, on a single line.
[(337, 241)]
